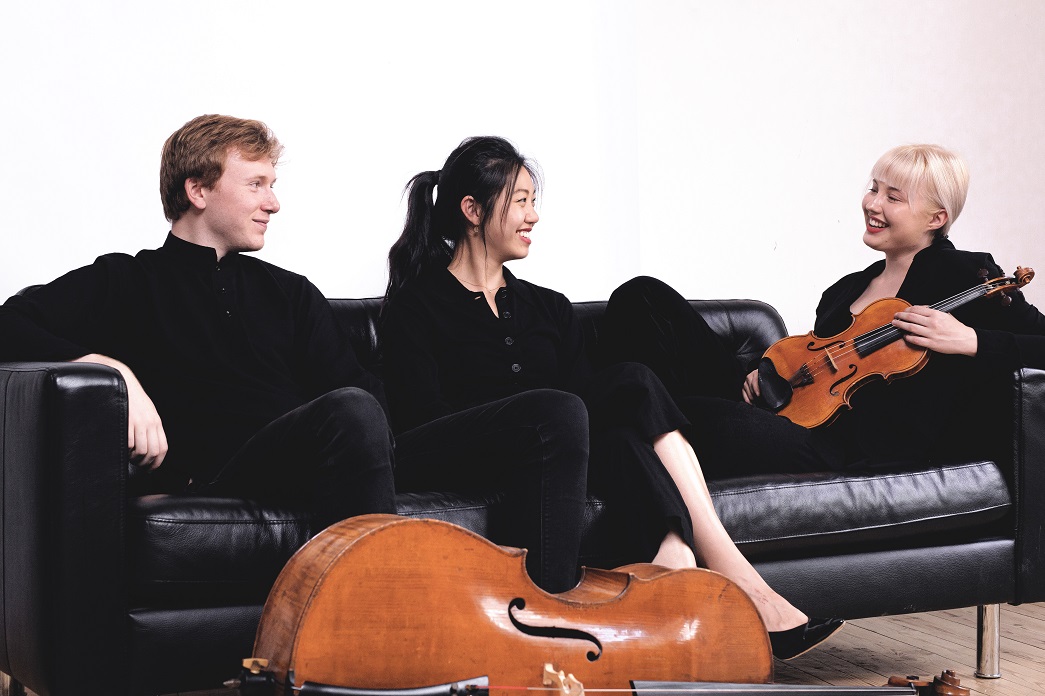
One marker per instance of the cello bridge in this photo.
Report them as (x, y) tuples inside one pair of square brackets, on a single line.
[(564, 684)]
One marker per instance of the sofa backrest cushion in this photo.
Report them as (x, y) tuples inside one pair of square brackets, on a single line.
[(748, 326)]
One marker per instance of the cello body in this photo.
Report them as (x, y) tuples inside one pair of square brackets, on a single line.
[(383, 602)]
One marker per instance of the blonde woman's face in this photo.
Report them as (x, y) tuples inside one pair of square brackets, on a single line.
[(897, 221)]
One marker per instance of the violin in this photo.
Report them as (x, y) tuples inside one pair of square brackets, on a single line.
[(809, 379), (381, 602)]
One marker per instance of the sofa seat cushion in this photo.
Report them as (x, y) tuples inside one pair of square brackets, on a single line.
[(196, 550), (201, 551), (793, 512)]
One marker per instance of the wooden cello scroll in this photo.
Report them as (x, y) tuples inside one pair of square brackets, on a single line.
[(388, 602), (809, 379)]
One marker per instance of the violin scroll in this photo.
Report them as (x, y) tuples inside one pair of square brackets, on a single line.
[(1005, 285), (947, 684)]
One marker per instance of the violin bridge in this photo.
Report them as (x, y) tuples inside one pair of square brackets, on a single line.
[(564, 684), (830, 360)]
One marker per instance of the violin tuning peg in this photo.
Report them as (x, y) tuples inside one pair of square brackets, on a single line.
[(947, 684)]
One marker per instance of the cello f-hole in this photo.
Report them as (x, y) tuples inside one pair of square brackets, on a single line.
[(553, 631)]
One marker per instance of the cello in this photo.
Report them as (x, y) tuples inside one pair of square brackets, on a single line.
[(809, 380), (389, 602), (383, 605)]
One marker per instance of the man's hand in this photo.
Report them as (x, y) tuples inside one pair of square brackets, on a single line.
[(938, 331), (749, 390), (146, 440)]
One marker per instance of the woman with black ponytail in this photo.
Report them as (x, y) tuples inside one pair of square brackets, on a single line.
[(462, 335), (532, 444)]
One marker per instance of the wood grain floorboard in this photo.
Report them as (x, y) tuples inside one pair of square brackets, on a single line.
[(869, 651)]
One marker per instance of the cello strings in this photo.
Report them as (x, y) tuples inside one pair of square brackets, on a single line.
[(586, 690), (675, 689)]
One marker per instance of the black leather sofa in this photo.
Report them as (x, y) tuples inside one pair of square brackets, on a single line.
[(103, 591)]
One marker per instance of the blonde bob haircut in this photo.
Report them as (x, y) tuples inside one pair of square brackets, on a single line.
[(930, 172)]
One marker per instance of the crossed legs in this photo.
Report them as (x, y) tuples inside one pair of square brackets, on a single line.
[(713, 547)]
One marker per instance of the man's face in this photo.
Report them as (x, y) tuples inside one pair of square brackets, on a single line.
[(239, 206)]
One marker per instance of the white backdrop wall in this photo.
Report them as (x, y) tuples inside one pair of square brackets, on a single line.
[(721, 146)]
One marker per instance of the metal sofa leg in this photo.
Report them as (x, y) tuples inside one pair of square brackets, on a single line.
[(988, 641)]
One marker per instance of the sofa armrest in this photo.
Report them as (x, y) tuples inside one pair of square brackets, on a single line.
[(1028, 460), (63, 471)]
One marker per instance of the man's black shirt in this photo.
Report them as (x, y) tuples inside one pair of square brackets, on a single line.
[(221, 347)]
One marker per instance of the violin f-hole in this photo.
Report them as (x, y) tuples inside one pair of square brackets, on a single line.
[(842, 380), (553, 631)]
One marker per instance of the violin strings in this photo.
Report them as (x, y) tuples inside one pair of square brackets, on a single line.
[(883, 335)]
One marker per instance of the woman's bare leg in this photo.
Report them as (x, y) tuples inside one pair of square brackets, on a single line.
[(674, 552), (714, 548)]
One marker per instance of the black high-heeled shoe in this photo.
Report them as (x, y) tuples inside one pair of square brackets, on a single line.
[(801, 639)]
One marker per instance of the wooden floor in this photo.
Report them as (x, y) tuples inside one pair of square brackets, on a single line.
[(869, 651)]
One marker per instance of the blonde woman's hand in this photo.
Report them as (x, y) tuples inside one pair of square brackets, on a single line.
[(749, 390), (938, 331)]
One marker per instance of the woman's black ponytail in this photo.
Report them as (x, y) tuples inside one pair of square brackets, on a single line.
[(418, 247)]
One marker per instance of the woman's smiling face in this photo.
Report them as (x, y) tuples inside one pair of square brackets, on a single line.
[(898, 221), (508, 235)]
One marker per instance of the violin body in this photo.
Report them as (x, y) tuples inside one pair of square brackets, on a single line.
[(823, 373), (809, 379), (382, 602)]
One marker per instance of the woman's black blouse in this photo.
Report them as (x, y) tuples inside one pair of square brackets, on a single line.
[(444, 350)]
